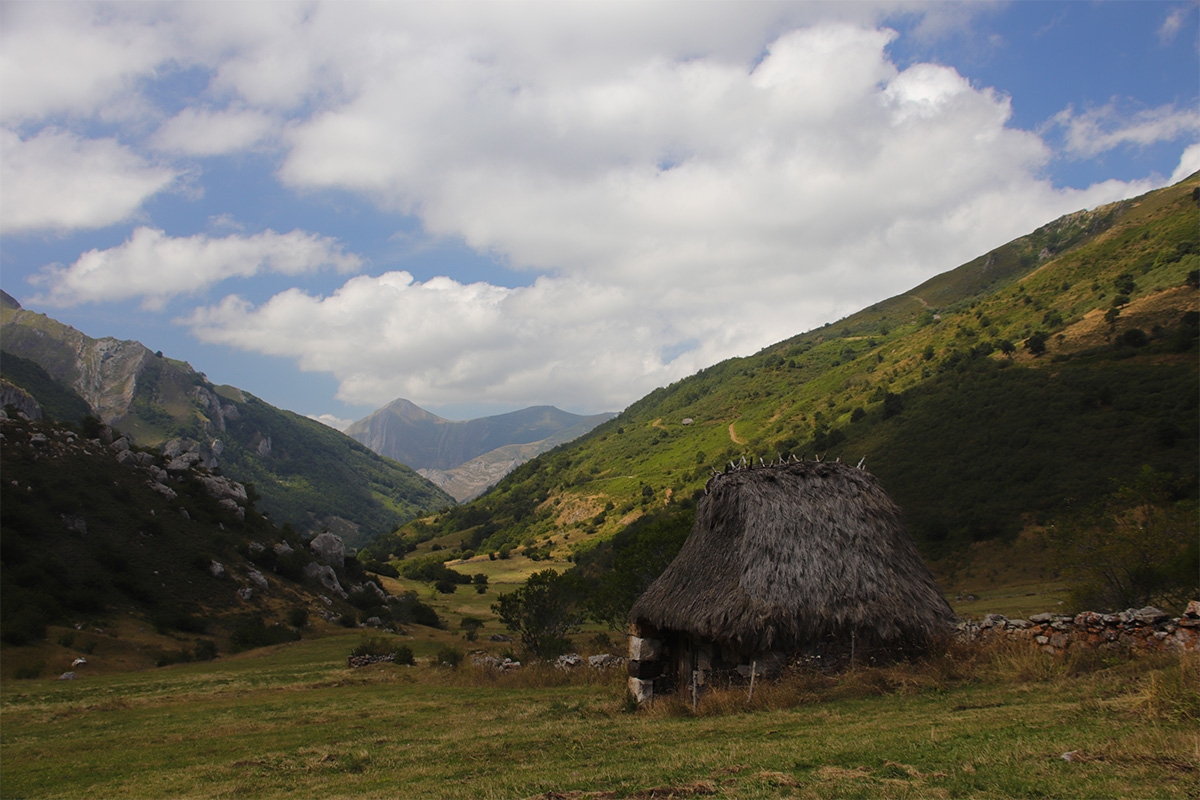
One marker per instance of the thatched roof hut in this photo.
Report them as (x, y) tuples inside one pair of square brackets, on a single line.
[(793, 558)]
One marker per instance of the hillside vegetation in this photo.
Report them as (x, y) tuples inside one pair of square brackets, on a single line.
[(986, 400)]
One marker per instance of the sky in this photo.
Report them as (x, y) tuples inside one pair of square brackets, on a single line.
[(482, 206)]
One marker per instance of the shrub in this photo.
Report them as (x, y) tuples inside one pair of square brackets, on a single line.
[(254, 632), (450, 657), (375, 646), (298, 617), (206, 650)]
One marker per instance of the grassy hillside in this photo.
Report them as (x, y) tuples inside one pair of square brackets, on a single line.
[(985, 399)]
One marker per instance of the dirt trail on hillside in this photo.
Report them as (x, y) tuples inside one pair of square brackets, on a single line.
[(733, 435)]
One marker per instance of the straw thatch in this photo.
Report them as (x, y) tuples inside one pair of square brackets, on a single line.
[(784, 557)]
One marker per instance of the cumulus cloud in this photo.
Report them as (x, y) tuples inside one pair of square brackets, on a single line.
[(205, 132), (57, 181), (683, 187), (77, 59), (1099, 130), (156, 267)]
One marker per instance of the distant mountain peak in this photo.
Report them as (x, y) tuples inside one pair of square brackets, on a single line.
[(426, 442)]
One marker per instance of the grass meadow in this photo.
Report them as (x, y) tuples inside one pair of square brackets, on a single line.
[(294, 721)]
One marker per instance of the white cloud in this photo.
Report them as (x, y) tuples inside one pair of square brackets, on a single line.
[(1174, 21), (337, 423), (156, 267), (205, 132), (686, 183), (1189, 162), (77, 59), (57, 181), (1108, 127)]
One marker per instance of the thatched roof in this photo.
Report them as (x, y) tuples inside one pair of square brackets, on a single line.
[(785, 556)]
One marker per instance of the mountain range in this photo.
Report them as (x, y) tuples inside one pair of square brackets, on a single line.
[(306, 474), (464, 458)]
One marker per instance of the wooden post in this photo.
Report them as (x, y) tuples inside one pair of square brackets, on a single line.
[(753, 671), (695, 690)]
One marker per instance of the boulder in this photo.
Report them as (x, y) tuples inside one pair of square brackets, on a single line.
[(258, 579), (221, 488), (245, 593), (329, 548), (283, 549), (216, 569), (326, 576)]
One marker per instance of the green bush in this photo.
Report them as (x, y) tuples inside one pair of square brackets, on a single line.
[(449, 657)]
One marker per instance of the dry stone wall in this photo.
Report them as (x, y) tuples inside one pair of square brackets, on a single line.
[(1136, 630)]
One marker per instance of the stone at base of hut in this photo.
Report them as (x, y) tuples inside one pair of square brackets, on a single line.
[(641, 690)]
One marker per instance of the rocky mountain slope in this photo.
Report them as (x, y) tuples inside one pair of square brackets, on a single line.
[(94, 529), (466, 457), (307, 474), (989, 398)]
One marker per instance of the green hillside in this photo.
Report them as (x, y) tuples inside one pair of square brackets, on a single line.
[(985, 399)]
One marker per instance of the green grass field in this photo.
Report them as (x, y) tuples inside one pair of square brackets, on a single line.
[(294, 721)]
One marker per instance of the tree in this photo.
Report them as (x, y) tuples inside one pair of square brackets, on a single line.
[(471, 626), (1036, 344), (1136, 547), (544, 612)]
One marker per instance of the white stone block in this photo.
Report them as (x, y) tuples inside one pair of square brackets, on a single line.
[(644, 649), (642, 690)]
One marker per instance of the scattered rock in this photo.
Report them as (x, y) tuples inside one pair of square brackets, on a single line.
[(68, 676), (326, 576), (329, 548), (76, 524), (499, 637), (258, 579), (216, 569), (354, 662), (245, 593), (495, 662), (568, 661)]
